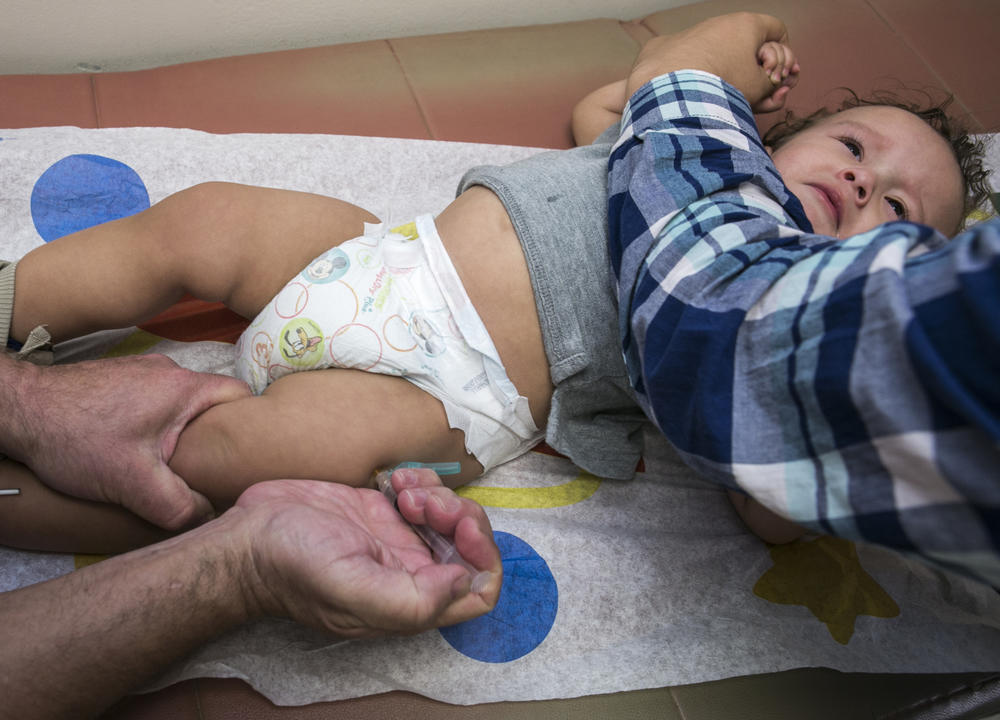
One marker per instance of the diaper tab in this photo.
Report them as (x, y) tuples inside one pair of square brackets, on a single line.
[(464, 312), (402, 252)]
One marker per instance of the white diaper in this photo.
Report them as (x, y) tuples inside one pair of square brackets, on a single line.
[(392, 303)]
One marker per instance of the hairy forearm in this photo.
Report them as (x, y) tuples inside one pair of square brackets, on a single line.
[(17, 379), (97, 633)]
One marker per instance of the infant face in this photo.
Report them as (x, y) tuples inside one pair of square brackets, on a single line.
[(866, 166)]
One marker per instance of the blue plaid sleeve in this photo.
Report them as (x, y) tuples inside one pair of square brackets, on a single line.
[(851, 386)]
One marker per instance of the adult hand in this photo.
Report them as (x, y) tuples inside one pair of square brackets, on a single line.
[(730, 46), (342, 559), (336, 557), (105, 429)]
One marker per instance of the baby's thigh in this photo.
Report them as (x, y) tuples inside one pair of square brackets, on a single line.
[(335, 424), (240, 244)]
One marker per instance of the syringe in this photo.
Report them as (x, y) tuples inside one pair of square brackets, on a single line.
[(444, 550)]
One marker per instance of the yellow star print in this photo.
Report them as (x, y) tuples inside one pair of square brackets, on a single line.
[(826, 576)]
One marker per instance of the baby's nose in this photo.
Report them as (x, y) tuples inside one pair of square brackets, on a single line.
[(861, 184)]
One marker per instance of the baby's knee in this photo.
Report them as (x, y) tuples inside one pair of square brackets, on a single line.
[(207, 197), (209, 206), (179, 226), (765, 524)]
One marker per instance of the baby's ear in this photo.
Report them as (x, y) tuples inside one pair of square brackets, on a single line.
[(770, 150)]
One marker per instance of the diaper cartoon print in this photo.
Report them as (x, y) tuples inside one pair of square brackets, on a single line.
[(328, 267), (426, 334), (301, 343)]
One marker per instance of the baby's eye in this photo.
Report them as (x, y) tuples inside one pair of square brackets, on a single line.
[(853, 145), (898, 208)]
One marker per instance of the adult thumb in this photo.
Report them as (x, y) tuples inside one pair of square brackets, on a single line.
[(168, 502)]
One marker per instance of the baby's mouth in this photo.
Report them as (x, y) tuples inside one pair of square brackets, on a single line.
[(831, 201)]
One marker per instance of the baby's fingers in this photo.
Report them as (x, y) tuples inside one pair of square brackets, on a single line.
[(767, 57), (778, 61)]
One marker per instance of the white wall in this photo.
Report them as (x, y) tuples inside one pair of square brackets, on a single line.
[(56, 36)]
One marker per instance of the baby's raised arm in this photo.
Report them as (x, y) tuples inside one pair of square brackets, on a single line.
[(747, 50), (598, 111)]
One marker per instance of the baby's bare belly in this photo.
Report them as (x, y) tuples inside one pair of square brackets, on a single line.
[(484, 248)]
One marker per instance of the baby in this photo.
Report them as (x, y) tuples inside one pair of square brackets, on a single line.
[(463, 338), (851, 172), (845, 381)]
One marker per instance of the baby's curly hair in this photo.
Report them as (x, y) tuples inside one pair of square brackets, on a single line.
[(968, 152)]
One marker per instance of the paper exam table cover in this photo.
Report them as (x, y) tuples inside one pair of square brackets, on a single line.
[(609, 586)]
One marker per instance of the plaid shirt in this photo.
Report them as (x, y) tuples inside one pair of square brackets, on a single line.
[(852, 386)]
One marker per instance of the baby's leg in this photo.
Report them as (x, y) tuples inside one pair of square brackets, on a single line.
[(335, 425), (218, 242), (39, 518)]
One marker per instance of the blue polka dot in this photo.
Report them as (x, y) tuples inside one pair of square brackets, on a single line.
[(524, 614), (81, 191)]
